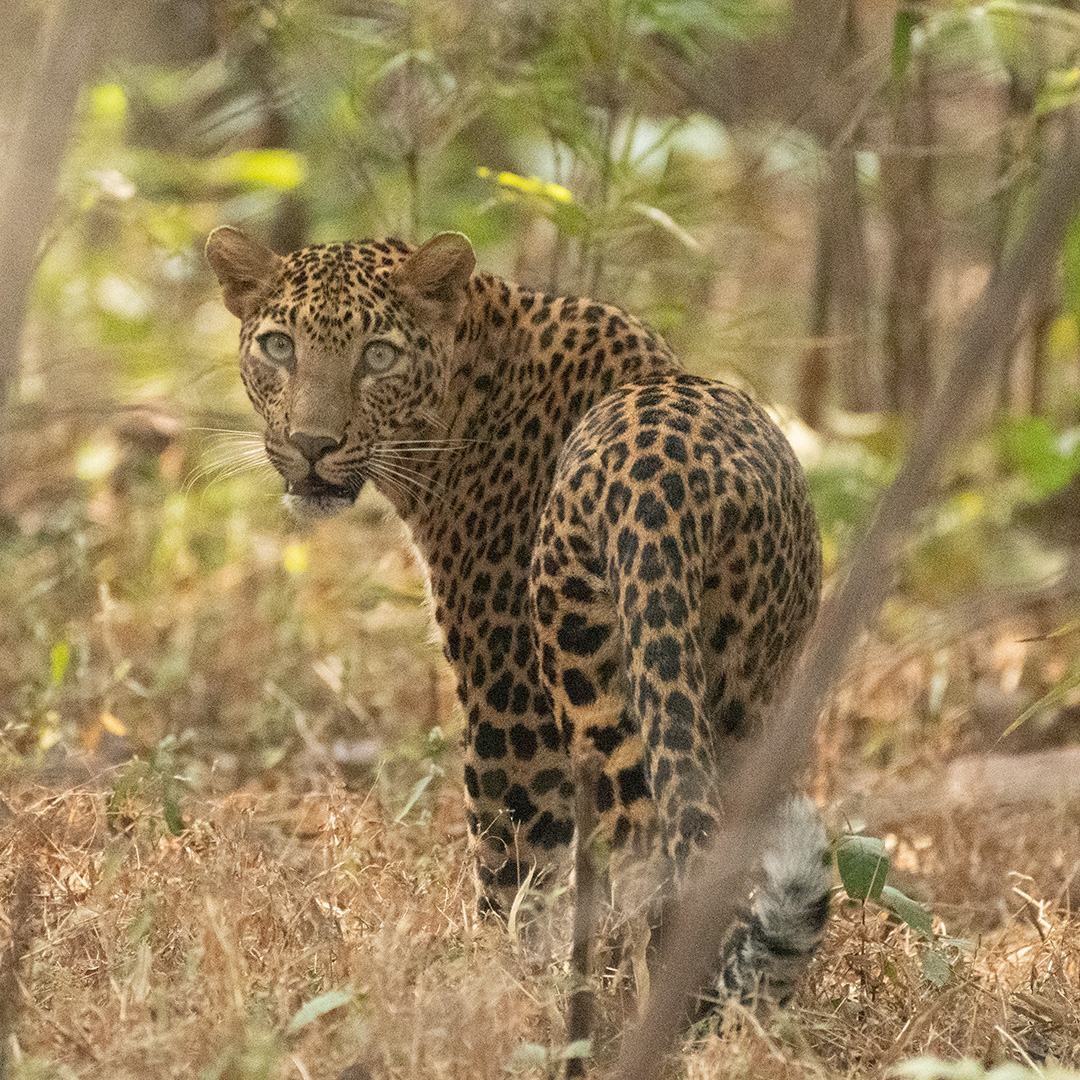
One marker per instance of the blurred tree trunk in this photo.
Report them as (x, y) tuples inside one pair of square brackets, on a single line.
[(813, 77), (290, 226), (1022, 386), (67, 42), (839, 317), (907, 173)]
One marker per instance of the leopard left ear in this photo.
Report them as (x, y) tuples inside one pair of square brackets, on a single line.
[(244, 267), (432, 279)]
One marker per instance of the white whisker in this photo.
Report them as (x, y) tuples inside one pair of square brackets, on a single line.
[(413, 477), (231, 453), (399, 455), (397, 487), (434, 420), (410, 479)]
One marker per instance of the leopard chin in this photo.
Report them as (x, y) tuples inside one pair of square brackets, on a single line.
[(308, 499)]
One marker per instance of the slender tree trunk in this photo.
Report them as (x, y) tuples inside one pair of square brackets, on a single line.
[(1022, 385), (290, 225), (814, 366), (839, 318), (66, 47), (908, 181), (851, 274)]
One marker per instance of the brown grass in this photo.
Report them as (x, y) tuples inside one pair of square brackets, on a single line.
[(156, 955)]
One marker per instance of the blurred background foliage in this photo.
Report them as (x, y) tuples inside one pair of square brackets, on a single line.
[(802, 200)]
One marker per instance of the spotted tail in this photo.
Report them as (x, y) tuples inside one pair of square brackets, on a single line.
[(766, 954)]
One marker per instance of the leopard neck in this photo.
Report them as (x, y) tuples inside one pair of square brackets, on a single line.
[(526, 367), (514, 344), (495, 355)]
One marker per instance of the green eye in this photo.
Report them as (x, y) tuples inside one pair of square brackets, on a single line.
[(379, 356), (278, 348)]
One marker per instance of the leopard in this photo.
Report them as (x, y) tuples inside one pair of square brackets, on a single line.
[(622, 558)]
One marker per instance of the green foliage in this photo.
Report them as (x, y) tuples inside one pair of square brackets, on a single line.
[(1044, 457), (534, 1059), (152, 781), (316, 1007), (863, 865), (256, 1053)]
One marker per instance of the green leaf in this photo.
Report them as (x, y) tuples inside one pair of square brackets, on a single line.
[(1045, 457), (1060, 90), (418, 789), (903, 26), (61, 660), (528, 1056), (317, 1007), (903, 907), (579, 1048), (935, 967), (931, 1068), (174, 818), (1057, 693), (863, 864), (1070, 267)]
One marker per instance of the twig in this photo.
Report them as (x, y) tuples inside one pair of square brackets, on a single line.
[(586, 901)]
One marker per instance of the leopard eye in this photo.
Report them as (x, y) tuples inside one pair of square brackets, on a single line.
[(379, 356), (278, 348)]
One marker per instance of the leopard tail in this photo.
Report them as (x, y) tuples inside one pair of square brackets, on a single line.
[(766, 954)]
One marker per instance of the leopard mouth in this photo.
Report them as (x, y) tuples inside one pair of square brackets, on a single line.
[(315, 497)]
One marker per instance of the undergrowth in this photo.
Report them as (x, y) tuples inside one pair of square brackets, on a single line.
[(282, 936)]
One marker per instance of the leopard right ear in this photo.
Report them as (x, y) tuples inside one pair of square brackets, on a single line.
[(433, 278), (243, 266)]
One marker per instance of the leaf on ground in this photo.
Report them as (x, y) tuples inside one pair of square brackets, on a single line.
[(903, 907), (935, 967), (863, 863), (317, 1007)]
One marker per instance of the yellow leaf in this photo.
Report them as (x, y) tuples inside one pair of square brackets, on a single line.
[(269, 168), (295, 557), (111, 724), (108, 102)]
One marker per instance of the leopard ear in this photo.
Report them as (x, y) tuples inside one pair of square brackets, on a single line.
[(243, 266), (432, 279)]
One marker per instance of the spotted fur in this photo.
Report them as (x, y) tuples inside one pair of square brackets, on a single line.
[(621, 556)]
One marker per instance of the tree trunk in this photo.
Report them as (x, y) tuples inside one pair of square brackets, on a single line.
[(66, 46), (908, 181), (839, 319)]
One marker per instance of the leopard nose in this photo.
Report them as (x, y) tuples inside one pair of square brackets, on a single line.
[(313, 447)]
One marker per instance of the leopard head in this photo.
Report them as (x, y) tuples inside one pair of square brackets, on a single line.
[(345, 351)]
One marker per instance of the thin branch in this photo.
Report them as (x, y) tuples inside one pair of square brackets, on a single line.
[(784, 750)]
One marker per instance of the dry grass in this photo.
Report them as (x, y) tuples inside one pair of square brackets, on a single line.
[(185, 956), (157, 955)]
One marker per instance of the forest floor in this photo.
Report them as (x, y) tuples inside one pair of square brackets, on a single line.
[(232, 843), (286, 933)]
